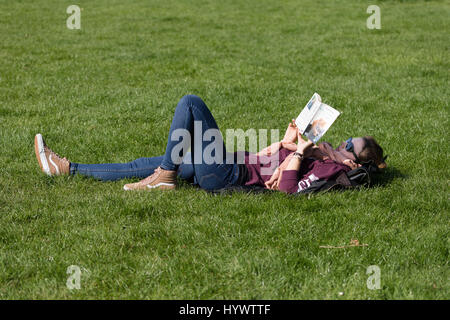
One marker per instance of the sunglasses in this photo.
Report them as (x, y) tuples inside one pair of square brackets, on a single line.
[(351, 148)]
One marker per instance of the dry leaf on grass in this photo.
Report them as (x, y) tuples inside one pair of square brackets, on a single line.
[(353, 243)]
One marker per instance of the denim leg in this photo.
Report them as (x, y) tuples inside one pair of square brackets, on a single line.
[(211, 175), (189, 109), (139, 168)]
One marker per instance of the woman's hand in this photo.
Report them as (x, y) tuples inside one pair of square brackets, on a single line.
[(275, 179), (272, 183), (270, 150), (291, 133), (304, 147), (292, 146)]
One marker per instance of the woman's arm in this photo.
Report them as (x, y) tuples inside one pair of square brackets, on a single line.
[(290, 135), (288, 142), (292, 146), (289, 177), (270, 150), (274, 179)]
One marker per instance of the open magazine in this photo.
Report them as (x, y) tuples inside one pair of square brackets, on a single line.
[(316, 118)]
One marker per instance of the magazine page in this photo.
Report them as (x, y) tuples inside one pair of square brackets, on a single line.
[(307, 114), (321, 122)]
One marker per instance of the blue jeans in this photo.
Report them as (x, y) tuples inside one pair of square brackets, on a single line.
[(208, 176)]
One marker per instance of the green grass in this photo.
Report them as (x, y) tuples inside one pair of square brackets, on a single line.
[(106, 93)]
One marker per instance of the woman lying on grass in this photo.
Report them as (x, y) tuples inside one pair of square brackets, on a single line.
[(297, 164)]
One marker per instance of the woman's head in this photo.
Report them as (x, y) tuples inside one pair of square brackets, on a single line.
[(356, 151)]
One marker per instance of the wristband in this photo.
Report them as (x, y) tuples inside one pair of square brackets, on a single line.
[(298, 155)]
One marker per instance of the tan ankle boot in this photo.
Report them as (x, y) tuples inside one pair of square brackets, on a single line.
[(160, 179)]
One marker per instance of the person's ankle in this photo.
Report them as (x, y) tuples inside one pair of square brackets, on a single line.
[(167, 168)]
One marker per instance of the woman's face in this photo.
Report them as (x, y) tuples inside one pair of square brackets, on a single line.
[(358, 145)]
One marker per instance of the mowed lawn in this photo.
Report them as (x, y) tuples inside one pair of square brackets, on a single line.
[(107, 92)]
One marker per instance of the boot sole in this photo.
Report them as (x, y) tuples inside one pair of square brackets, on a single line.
[(162, 186), (40, 154)]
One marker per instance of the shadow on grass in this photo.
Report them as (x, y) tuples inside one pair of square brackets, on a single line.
[(390, 174), (378, 180)]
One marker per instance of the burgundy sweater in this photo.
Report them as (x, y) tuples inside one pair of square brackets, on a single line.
[(261, 168), (291, 181)]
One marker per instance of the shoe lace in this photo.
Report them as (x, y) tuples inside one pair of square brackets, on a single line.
[(150, 177), (54, 154)]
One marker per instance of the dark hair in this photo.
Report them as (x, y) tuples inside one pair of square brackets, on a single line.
[(372, 152)]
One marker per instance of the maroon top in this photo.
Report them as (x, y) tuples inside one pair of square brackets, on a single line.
[(293, 181), (261, 168)]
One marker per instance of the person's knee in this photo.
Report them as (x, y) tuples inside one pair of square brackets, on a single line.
[(190, 100)]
